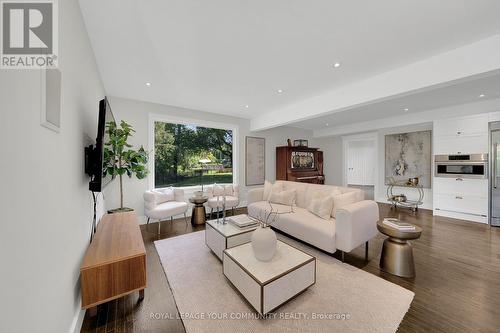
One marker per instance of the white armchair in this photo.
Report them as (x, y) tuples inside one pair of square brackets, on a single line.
[(160, 204), (231, 192)]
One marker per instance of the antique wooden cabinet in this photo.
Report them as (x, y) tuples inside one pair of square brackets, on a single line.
[(299, 164)]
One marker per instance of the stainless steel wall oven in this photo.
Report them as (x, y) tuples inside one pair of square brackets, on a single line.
[(461, 166)]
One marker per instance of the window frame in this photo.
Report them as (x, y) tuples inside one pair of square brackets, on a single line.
[(153, 117)]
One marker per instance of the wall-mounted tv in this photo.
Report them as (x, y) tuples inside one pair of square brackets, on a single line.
[(94, 156)]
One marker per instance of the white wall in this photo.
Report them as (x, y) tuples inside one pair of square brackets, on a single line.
[(46, 208), (137, 114), (333, 160)]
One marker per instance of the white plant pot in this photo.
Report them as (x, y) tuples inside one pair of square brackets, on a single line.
[(264, 243)]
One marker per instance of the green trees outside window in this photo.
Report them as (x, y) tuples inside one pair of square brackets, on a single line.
[(187, 155)]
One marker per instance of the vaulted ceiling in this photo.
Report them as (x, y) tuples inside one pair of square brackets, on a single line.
[(273, 61)]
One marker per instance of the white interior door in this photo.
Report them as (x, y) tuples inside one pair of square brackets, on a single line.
[(360, 157)]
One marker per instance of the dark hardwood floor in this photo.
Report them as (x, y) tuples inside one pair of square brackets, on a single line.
[(457, 287)]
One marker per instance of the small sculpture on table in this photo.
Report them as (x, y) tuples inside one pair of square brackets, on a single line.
[(223, 209)]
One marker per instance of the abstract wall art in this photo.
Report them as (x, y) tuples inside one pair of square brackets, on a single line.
[(408, 155), (255, 161)]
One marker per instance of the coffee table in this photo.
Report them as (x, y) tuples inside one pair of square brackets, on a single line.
[(268, 285), (397, 253), (219, 237)]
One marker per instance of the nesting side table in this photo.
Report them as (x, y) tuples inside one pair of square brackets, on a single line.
[(219, 237), (268, 285)]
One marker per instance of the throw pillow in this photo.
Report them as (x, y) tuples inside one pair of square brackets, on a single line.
[(164, 195), (217, 190), (321, 206), (315, 193), (228, 190), (276, 188), (283, 197), (342, 200)]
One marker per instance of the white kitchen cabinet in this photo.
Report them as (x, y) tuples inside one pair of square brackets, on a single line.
[(461, 195), (463, 198), (462, 203), (465, 144), (463, 135), (463, 126), (461, 186)]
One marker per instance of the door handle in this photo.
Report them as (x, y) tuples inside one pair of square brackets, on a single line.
[(494, 173), (459, 179), (458, 197)]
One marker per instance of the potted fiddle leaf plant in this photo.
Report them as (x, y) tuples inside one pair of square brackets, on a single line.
[(121, 159)]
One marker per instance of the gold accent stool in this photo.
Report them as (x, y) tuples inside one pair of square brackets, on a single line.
[(198, 215), (397, 253)]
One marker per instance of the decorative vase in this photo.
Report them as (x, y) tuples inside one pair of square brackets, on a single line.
[(264, 243)]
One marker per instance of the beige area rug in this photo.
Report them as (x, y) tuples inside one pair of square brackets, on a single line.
[(352, 300)]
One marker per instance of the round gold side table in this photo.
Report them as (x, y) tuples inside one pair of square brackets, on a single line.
[(198, 214), (397, 253)]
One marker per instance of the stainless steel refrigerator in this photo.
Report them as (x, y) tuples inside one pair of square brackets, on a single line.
[(495, 174)]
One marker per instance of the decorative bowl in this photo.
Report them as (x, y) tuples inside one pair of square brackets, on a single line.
[(413, 181), (399, 198)]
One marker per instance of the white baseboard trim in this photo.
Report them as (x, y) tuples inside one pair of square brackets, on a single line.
[(76, 324), (461, 216)]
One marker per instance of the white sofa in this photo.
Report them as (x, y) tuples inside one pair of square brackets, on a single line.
[(354, 223)]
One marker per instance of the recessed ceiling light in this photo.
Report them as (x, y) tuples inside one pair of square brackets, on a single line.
[(280, 91), (326, 124), (148, 84), (482, 95), (247, 106), (336, 65), (406, 109)]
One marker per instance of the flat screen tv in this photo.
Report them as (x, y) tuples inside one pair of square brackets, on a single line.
[(94, 156)]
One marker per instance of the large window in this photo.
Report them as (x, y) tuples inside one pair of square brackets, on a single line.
[(189, 155)]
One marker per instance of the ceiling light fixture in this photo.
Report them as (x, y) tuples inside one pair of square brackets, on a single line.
[(482, 95), (326, 124), (336, 65), (406, 109), (280, 91), (247, 106), (148, 84)]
